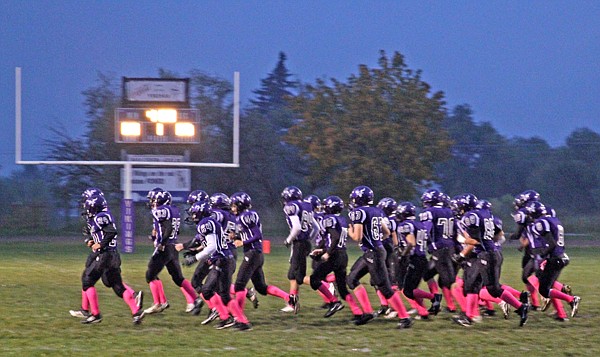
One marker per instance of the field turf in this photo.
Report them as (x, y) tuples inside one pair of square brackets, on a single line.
[(40, 283)]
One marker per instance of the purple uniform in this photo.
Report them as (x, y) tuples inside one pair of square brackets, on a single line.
[(103, 231), (552, 228), (337, 223), (227, 221), (479, 224), (441, 222), (210, 227), (249, 229), (166, 224), (419, 230), (372, 219), (304, 213)]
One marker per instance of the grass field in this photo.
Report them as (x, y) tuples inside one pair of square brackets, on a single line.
[(40, 282)]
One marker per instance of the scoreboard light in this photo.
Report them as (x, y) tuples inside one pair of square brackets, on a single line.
[(156, 125)]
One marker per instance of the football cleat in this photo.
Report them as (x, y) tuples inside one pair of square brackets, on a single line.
[(462, 320), (355, 318), (524, 297), (449, 310), (138, 316), (139, 299), (154, 309), (82, 314), (212, 315), (198, 303), (335, 307), (505, 309), (326, 305), (405, 323), (567, 290), (93, 319), (422, 317), (436, 304), (561, 319), (383, 310), (477, 319), (412, 311), (294, 303), (164, 306), (223, 324), (251, 295), (523, 312), (489, 313), (189, 307), (575, 305), (393, 314), (545, 304), (287, 308), (240, 326), (364, 318)]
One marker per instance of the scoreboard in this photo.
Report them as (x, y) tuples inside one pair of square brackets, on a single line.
[(156, 125)]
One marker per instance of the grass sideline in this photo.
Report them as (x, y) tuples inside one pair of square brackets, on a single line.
[(40, 282)]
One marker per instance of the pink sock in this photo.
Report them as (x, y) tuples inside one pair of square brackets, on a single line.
[(458, 294), (363, 299), (413, 303), (161, 292), (533, 280), (535, 300), (218, 304), (93, 299), (275, 291), (240, 298), (188, 291), (325, 299), (396, 303), (420, 306), (557, 294), (208, 303), (382, 299), (516, 293), (484, 294), (558, 306), (130, 300), (422, 294), (155, 290), (324, 290), (85, 304), (232, 291), (472, 300), (330, 278), (353, 305), (237, 313), (557, 285), (448, 297), (510, 299), (433, 286)]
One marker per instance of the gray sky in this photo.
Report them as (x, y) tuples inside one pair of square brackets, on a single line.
[(528, 67)]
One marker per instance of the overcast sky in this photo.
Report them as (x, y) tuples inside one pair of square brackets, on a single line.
[(531, 68)]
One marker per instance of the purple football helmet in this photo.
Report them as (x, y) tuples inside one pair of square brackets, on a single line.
[(484, 204), (196, 196), (200, 210), (522, 199), (291, 193), (220, 200), (333, 205), (163, 198), (241, 200), (314, 201), (467, 202), (361, 196), (406, 210), (388, 205), (536, 209), (431, 198), (94, 205)]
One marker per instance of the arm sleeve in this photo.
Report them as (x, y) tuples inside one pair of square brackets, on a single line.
[(316, 229), (335, 239), (110, 232), (295, 228), (211, 247)]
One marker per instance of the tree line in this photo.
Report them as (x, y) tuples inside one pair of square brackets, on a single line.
[(384, 127)]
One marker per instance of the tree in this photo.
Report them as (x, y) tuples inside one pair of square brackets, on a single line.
[(382, 128)]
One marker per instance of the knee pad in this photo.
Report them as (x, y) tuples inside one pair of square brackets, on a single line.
[(352, 283), (495, 291), (150, 277), (314, 283)]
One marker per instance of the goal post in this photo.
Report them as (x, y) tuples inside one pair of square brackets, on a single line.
[(127, 215)]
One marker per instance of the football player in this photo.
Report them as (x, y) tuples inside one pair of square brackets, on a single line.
[(166, 225), (105, 262), (368, 229), (303, 228)]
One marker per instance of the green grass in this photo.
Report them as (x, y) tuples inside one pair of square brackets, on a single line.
[(40, 282)]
